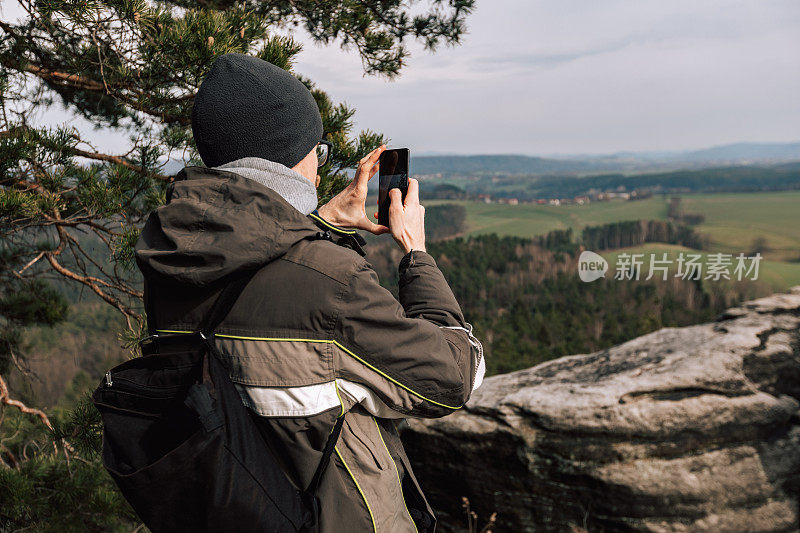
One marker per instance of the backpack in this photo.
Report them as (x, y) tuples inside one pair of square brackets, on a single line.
[(183, 448)]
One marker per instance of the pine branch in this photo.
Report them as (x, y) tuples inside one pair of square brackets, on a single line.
[(30, 263), (81, 83), (5, 399), (90, 281), (93, 283), (119, 161), (73, 80)]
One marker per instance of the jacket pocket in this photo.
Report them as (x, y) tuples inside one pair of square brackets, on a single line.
[(364, 448)]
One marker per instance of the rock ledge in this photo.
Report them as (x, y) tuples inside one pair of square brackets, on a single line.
[(683, 429)]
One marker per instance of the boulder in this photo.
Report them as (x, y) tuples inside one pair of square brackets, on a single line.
[(683, 429)]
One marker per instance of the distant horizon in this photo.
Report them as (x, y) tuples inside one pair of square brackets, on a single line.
[(436, 153), (576, 156)]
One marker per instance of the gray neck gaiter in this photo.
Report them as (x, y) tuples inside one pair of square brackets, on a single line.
[(290, 184)]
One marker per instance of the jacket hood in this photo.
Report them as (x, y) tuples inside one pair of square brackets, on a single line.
[(216, 223)]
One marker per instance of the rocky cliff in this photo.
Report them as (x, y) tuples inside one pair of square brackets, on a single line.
[(684, 429)]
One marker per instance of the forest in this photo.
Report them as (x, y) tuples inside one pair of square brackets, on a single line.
[(634, 232), (528, 305)]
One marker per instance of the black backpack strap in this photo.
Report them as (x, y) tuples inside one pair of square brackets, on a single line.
[(326, 456), (219, 310), (148, 308)]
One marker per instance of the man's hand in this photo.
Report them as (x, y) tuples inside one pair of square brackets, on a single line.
[(347, 209), (407, 221)]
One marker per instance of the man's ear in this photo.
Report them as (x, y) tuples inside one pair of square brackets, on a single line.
[(308, 166), (316, 183)]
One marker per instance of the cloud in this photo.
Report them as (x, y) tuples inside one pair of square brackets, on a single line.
[(546, 60), (585, 76)]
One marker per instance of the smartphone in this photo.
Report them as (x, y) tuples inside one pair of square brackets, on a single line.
[(393, 174)]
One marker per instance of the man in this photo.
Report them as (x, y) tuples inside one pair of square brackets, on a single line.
[(313, 336)]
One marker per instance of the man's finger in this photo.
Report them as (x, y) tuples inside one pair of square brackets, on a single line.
[(361, 161), (367, 166), (371, 153), (396, 211), (373, 156), (365, 172), (412, 196), (373, 171), (364, 175), (397, 200)]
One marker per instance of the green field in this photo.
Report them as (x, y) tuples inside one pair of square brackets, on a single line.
[(733, 221), (778, 275), (528, 220)]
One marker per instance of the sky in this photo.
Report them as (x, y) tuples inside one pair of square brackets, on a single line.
[(581, 76), (587, 76)]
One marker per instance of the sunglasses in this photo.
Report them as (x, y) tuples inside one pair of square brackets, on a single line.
[(323, 152)]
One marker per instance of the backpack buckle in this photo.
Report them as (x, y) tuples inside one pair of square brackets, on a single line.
[(148, 338)]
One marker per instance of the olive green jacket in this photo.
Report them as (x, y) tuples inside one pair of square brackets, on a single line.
[(313, 337)]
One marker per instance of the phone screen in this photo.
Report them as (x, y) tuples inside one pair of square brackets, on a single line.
[(393, 174)]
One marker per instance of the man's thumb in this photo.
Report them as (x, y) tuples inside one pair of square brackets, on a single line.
[(397, 198), (375, 229)]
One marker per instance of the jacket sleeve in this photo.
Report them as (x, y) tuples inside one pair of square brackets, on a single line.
[(417, 356)]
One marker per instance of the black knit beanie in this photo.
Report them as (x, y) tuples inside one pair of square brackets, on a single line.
[(247, 107)]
